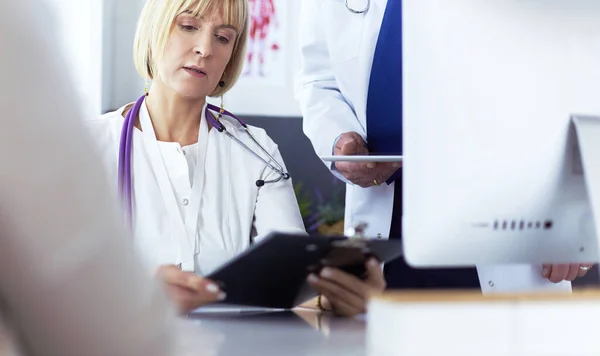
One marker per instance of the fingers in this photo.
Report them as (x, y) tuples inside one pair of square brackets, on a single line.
[(209, 294), (188, 290), (546, 269), (363, 175), (340, 298), (383, 171), (341, 307), (173, 275), (345, 281), (572, 272), (375, 275), (350, 143), (557, 273), (181, 297), (177, 293), (356, 172), (187, 300), (347, 294)]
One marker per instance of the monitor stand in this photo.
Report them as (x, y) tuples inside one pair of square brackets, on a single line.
[(587, 147)]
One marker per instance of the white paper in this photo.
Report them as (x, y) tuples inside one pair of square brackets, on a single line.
[(226, 309)]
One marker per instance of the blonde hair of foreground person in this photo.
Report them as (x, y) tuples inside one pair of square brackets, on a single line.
[(70, 282), (157, 20)]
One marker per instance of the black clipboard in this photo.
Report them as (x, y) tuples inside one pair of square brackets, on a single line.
[(272, 273)]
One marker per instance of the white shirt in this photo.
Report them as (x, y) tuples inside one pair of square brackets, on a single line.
[(232, 209), (70, 282)]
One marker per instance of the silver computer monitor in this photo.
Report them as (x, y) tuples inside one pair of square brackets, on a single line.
[(491, 163)]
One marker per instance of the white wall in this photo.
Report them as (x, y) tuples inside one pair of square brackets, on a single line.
[(247, 99), (122, 84), (79, 25)]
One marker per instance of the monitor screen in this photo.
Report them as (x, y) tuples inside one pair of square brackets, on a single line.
[(492, 173)]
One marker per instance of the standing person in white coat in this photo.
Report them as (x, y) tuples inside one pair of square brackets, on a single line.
[(70, 282), (349, 90), (195, 195)]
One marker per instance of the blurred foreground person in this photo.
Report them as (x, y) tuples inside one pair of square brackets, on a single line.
[(70, 283)]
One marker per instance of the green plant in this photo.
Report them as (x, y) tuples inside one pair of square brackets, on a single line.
[(315, 211), (304, 200), (332, 211)]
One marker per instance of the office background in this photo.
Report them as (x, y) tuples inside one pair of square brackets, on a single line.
[(97, 36)]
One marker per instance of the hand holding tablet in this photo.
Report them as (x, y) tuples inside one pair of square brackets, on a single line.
[(352, 159)]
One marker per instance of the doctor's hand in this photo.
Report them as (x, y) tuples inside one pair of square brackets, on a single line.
[(187, 290), (364, 174), (343, 293), (557, 273)]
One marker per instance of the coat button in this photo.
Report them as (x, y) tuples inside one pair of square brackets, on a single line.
[(185, 202), (491, 283)]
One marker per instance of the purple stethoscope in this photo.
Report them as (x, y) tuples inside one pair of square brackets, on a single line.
[(125, 190)]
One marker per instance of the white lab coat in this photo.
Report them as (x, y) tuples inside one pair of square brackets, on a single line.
[(70, 282), (337, 49), (232, 209)]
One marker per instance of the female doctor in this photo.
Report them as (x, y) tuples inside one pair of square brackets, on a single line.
[(198, 185)]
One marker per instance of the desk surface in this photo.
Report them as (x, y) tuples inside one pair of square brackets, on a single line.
[(299, 333)]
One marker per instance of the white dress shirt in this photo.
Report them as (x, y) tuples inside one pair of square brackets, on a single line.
[(70, 281), (231, 210)]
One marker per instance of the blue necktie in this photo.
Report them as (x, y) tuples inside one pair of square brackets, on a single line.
[(384, 99)]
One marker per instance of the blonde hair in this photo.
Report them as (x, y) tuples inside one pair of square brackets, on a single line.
[(157, 20)]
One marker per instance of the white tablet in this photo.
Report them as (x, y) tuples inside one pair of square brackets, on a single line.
[(358, 158)]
